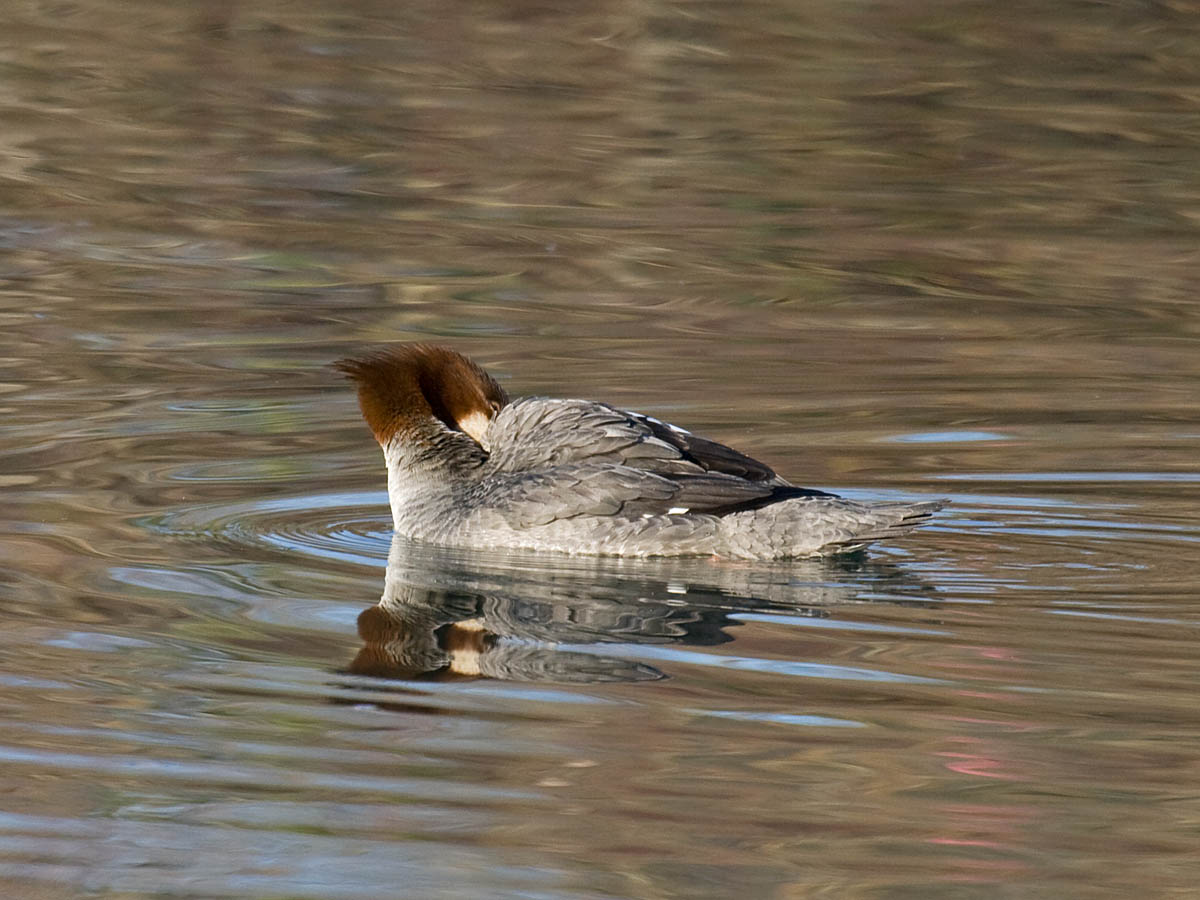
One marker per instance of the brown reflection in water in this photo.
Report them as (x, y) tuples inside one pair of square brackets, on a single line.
[(396, 646), (529, 619)]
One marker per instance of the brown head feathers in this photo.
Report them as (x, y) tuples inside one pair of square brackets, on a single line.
[(403, 385)]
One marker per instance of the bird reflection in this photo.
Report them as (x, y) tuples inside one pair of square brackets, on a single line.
[(449, 614)]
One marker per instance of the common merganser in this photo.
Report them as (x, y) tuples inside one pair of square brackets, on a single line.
[(467, 467)]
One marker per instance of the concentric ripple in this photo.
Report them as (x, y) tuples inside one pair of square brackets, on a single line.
[(330, 526)]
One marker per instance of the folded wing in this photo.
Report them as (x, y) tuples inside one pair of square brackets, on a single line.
[(555, 459)]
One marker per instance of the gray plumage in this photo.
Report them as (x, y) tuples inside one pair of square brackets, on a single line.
[(581, 477), (468, 468)]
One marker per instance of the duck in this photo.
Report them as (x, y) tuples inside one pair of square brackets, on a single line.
[(469, 467)]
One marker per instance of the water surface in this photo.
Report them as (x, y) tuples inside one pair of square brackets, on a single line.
[(928, 250)]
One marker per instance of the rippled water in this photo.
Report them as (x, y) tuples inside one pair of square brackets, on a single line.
[(919, 250)]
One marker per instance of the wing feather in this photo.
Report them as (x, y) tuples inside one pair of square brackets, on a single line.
[(554, 459), (535, 432), (526, 499), (708, 455)]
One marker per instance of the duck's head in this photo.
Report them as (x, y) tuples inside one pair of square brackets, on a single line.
[(402, 388)]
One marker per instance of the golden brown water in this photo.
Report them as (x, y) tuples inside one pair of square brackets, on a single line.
[(895, 251)]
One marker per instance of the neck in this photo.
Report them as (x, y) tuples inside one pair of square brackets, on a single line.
[(428, 467)]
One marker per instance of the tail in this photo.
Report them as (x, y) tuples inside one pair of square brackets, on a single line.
[(882, 521), (818, 526)]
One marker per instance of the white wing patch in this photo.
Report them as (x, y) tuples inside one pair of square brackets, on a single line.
[(674, 428), (673, 511)]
